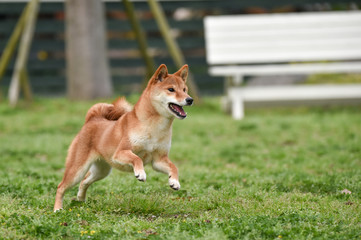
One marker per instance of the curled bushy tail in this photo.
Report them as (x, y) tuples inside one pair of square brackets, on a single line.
[(109, 111)]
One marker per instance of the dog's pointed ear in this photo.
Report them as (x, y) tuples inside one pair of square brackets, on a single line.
[(159, 74), (183, 72)]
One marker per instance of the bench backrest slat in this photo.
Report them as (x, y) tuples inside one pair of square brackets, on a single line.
[(283, 37)]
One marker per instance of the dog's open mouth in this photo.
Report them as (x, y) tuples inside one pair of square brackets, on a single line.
[(177, 110)]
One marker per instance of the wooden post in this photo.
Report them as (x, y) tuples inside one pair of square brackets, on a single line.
[(141, 39), (12, 43), (87, 66), (173, 48), (24, 48)]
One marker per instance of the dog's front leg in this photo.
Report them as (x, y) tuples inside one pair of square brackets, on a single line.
[(122, 158), (164, 165)]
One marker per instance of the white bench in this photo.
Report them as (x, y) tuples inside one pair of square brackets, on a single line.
[(288, 43)]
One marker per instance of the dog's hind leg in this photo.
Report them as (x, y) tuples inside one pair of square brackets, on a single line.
[(164, 165), (77, 165), (98, 170)]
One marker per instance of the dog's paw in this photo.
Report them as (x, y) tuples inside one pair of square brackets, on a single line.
[(79, 199), (58, 210), (141, 176), (174, 184)]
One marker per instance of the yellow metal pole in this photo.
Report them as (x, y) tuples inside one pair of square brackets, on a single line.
[(25, 85), (141, 39), (12, 43), (172, 46), (24, 48)]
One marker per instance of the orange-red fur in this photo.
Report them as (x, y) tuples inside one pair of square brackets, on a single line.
[(109, 111), (126, 138)]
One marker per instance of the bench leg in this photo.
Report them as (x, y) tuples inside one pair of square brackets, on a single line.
[(237, 80), (237, 108)]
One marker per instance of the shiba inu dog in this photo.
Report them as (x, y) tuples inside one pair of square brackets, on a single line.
[(126, 138)]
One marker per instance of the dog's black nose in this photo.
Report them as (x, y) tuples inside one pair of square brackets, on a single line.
[(189, 101)]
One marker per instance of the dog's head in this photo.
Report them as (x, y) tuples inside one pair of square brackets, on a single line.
[(169, 92)]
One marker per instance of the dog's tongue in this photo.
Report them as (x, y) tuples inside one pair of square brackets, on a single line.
[(179, 109)]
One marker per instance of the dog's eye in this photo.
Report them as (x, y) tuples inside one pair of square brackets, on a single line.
[(184, 90), (171, 89)]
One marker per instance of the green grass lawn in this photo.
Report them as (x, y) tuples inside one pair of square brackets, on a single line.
[(277, 174)]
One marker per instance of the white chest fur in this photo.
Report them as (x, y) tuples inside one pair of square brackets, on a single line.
[(151, 140)]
